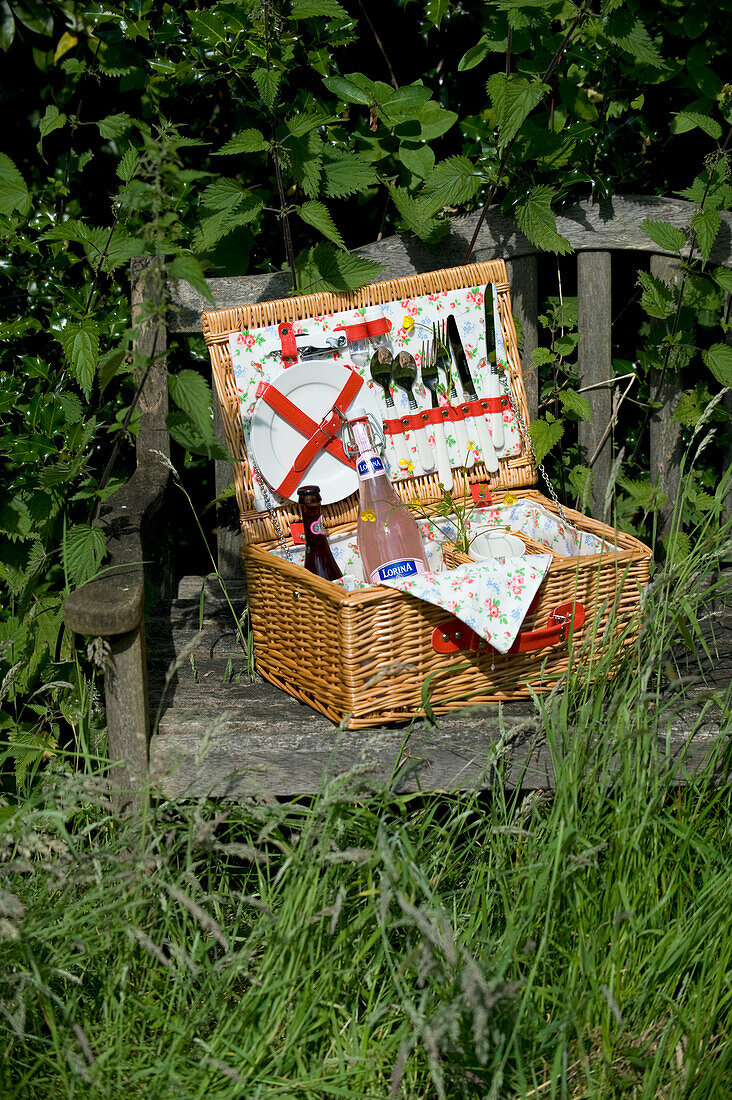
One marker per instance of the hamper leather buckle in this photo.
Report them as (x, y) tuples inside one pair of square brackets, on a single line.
[(453, 635)]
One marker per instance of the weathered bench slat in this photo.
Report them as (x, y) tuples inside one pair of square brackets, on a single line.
[(594, 352), (611, 225)]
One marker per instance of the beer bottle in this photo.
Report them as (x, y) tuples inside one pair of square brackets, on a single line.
[(318, 554)]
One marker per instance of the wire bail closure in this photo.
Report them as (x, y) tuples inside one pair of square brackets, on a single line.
[(374, 430)]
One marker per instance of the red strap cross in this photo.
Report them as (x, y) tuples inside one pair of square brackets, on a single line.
[(320, 437)]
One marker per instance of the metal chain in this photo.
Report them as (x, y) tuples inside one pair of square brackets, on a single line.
[(272, 512), (503, 375)]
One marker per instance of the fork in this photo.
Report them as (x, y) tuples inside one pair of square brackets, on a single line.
[(430, 379), (465, 453)]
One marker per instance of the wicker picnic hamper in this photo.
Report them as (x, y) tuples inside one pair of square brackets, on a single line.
[(378, 655)]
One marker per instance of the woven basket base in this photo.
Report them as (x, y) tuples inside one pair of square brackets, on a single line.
[(365, 658)]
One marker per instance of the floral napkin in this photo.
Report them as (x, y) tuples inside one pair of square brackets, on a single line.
[(491, 597)]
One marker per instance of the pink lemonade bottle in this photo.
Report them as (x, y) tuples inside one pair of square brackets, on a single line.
[(388, 537)]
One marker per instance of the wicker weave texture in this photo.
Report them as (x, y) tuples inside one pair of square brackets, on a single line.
[(363, 658), (515, 472)]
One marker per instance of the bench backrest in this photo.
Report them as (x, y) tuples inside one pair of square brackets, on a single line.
[(594, 231)]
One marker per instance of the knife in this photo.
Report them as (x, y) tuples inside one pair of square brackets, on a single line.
[(495, 420), (479, 426)]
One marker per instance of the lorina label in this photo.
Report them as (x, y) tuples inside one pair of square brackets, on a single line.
[(392, 570), (369, 466)]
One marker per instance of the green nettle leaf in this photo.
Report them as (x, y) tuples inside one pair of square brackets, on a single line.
[(723, 277), (666, 236), (451, 182), (513, 98), (690, 120), (538, 221), (474, 55), (192, 394), (302, 124), (581, 479), (428, 229), (13, 191), (114, 126), (565, 345), (435, 10), (542, 356), (128, 164), (317, 215), (677, 545), (347, 90), (688, 410), (576, 404), (544, 436), (268, 84), (719, 360), (7, 26), (311, 9), (631, 35), (189, 434), (705, 224), (657, 298), (223, 194), (189, 269), (53, 119), (345, 174), (306, 158), (80, 343), (83, 549), (248, 141), (324, 268)]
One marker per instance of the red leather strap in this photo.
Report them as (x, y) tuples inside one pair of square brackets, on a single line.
[(379, 326), (452, 636), (287, 340), (319, 436)]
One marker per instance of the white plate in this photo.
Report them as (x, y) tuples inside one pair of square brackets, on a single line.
[(496, 544), (275, 444)]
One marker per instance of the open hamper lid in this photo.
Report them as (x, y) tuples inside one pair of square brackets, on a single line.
[(517, 471)]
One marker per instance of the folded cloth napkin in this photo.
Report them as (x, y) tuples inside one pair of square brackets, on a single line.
[(491, 597)]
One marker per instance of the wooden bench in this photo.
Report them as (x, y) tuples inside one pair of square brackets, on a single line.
[(178, 666)]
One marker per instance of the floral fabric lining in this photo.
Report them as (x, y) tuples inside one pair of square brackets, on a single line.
[(255, 358), (491, 597)]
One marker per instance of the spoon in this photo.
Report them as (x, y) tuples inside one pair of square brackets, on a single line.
[(380, 369), (404, 375)]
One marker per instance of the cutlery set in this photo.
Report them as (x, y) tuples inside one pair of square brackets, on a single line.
[(466, 425)]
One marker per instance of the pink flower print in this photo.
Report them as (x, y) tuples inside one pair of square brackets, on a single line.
[(249, 341), (432, 297), (516, 584), (241, 340), (507, 416), (402, 335), (492, 608)]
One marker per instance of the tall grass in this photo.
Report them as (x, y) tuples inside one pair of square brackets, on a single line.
[(365, 943)]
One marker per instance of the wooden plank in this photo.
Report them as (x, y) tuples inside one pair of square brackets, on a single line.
[(228, 532), (594, 359), (587, 226), (229, 739), (666, 446), (524, 279), (125, 687)]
